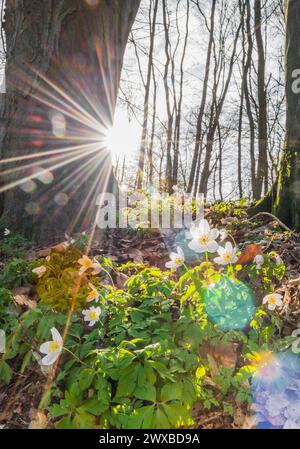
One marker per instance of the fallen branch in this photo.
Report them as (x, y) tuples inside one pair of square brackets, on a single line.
[(268, 214)]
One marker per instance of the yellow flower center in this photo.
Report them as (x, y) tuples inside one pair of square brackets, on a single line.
[(87, 263), (272, 299), (93, 294), (203, 239), (227, 257), (94, 315), (178, 261), (54, 345)]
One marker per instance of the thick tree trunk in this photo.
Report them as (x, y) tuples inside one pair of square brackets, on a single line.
[(287, 205), (79, 49)]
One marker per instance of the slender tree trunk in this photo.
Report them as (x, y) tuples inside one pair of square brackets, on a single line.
[(247, 96), (177, 130), (169, 170), (146, 98), (203, 100), (64, 60), (215, 116), (241, 108), (262, 165), (150, 154)]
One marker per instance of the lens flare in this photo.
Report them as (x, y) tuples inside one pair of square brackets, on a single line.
[(28, 186), (229, 303), (276, 390)]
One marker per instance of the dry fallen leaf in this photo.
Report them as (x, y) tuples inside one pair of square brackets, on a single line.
[(24, 290), (214, 370), (249, 254), (121, 280), (242, 421), (39, 422), (25, 301), (225, 354)]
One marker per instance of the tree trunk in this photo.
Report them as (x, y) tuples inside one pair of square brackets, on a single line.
[(64, 60), (247, 95), (203, 100), (262, 165), (146, 98), (287, 205)]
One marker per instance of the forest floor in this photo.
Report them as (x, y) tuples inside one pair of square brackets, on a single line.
[(20, 399)]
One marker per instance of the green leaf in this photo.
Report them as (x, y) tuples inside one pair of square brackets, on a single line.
[(141, 418), (64, 423), (86, 378), (147, 392), (160, 420), (170, 392), (5, 372), (58, 410), (95, 407)]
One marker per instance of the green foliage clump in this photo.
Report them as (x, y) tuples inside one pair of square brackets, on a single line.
[(62, 286), (11, 245), (15, 273), (140, 365)]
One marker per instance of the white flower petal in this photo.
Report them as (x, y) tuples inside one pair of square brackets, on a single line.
[(180, 252), (170, 264), (277, 296), (173, 256), (221, 250), (45, 347), (219, 260), (195, 246), (56, 335), (204, 226), (50, 359), (212, 247), (214, 234), (195, 232), (228, 247)]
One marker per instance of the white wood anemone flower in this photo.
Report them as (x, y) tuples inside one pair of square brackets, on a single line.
[(92, 315), (6, 232), (204, 238), (259, 261), (93, 294), (273, 300), (227, 255), (52, 349), (87, 263), (177, 259), (223, 235), (39, 271)]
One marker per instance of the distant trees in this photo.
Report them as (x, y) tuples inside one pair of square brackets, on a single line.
[(217, 129)]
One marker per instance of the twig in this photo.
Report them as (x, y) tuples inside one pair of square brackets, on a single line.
[(207, 420), (274, 218)]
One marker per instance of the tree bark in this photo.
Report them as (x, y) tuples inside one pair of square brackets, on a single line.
[(287, 205), (262, 165), (146, 98), (62, 56), (247, 95), (203, 99)]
